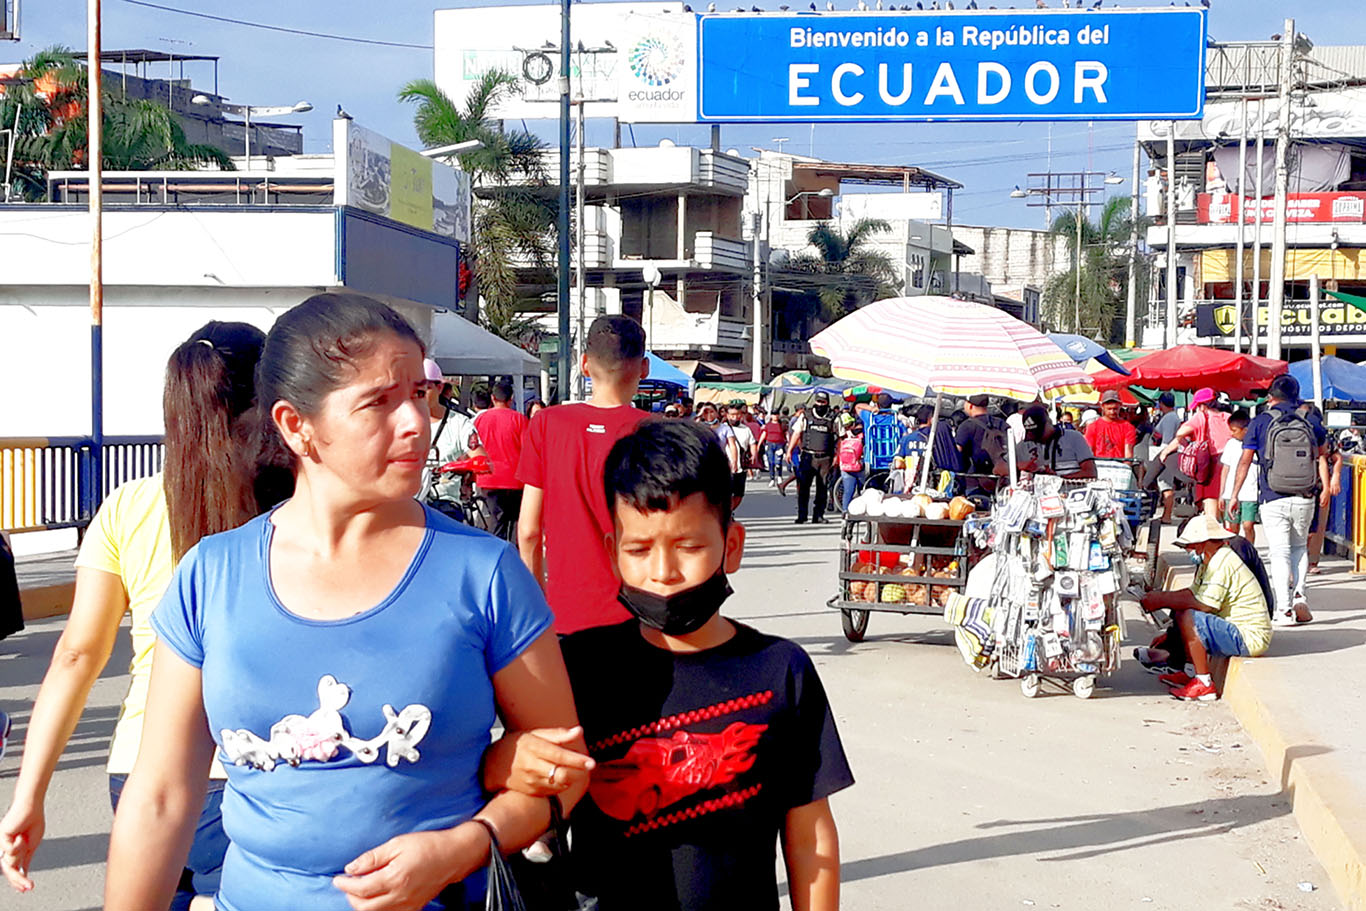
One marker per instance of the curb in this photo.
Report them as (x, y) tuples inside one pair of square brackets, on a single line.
[(43, 601), (1326, 806)]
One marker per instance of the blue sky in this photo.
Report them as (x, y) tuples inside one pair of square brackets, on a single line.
[(263, 67)]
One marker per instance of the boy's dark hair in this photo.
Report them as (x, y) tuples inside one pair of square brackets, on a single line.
[(481, 399), (924, 414), (884, 401), (1286, 388), (614, 341), (1239, 418), (501, 392), (665, 461)]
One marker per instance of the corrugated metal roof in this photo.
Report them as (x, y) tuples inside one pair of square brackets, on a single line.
[(1343, 60)]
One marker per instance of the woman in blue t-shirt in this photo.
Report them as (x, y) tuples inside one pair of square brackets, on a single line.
[(344, 655)]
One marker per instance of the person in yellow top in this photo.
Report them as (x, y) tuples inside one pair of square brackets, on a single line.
[(217, 476), (1223, 613)]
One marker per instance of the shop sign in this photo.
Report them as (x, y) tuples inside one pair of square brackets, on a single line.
[(1216, 319), (1337, 208), (967, 65), (388, 179)]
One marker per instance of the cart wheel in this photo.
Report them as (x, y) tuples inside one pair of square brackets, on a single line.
[(1030, 685), (1083, 687), (855, 624)]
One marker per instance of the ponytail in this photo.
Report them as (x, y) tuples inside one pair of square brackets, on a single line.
[(211, 456)]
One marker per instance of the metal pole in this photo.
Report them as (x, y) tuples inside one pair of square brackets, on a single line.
[(1131, 302), (1317, 352), (757, 368), (1076, 317), (1254, 344), (929, 447), (1238, 265), (1277, 301), (95, 167), (562, 303), (1171, 234), (580, 273), (246, 110)]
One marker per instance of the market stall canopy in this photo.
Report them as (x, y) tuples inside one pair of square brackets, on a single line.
[(1189, 367), (1082, 349), (957, 346), (460, 348), (710, 370), (792, 378), (725, 393), (1343, 381), (1355, 300), (661, 371)]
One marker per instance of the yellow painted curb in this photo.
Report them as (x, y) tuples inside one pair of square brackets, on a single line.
[(1327, 807)]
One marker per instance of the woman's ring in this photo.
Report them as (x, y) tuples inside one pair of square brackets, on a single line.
[(553, 770)]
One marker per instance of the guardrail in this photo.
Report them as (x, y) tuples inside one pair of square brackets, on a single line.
[(49, 482)]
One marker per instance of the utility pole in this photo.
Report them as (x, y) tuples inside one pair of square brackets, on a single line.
[(1076, 313), (1277, 296), (1257, 219), (1242, 200), (562, 297), (95, 168), (1131, 302), (1171, 234), (757, 368), (580, 272)]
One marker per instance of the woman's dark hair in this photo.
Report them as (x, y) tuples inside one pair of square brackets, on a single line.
[(212, 446), (313, 349), (532, 404), (665, 461)]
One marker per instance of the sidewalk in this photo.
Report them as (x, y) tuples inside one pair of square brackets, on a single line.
[(1303, 704)]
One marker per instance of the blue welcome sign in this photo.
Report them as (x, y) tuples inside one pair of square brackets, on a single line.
[(963, 65)]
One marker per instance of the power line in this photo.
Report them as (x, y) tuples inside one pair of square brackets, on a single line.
[(278, 28)]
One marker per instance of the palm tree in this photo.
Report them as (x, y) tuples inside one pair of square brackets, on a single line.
[(512, 221), (52, 134), (849, 272), (1103, 270)]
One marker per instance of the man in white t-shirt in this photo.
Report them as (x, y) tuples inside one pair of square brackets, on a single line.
[(1240, 508), (452, 430)]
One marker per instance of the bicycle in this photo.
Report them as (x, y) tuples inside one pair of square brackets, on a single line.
[(470, 507)]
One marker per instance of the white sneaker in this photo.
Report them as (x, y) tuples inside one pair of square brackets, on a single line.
[(1283, 619)]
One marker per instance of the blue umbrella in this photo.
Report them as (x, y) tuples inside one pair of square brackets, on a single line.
[(1343, 381), (1082, 349), (661, 371)]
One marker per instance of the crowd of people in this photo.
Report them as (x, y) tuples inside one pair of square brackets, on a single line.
[(320, 657)]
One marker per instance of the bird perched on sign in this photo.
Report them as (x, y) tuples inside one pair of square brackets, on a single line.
[(342, 115)]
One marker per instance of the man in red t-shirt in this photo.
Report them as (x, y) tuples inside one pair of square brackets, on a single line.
[(500, 429), (1110, 436), (564, 518)]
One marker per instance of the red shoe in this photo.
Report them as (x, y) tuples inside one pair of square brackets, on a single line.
[(1176, 679), (1195, 691)]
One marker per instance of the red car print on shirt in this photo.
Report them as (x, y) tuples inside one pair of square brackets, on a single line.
[(659, 771)]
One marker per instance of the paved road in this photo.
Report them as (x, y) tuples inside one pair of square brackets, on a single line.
[(969, 797)]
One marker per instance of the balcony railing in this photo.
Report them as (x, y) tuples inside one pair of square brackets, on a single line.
[(712, 252), (48, 482)]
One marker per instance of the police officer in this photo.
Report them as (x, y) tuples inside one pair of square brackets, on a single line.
[(818, 440)]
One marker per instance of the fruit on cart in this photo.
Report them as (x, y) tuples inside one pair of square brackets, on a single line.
[(960, 508), (937, 511), (917, 596), (922, 500), (893, 593)]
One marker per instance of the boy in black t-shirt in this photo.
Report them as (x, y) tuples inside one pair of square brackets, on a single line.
[(709, 740)]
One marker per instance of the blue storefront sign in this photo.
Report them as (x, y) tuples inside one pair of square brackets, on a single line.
[(965, 65)]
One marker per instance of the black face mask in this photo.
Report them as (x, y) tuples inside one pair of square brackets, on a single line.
[(682, 612)]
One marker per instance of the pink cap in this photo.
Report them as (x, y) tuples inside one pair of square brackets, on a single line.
[(432, 371), (1202, 396)]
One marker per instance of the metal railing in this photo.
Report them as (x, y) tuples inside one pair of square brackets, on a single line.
[(49, 482)]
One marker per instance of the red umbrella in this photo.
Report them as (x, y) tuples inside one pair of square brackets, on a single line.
[(1186, 368)]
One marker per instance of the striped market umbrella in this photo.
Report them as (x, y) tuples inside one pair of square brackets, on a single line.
[(957, 347)]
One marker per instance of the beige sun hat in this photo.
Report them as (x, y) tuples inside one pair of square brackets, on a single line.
[(1201, 529)]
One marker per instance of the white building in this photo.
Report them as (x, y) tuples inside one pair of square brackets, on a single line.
[(180, 249)]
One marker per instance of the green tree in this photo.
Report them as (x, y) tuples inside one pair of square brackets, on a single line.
[(513, 214), (1104, 271), (53, 129), (846, 272)]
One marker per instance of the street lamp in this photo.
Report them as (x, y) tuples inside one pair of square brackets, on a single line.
[(246, 110), (652, 277), (455, 148), (1082, 190), (822, 193)]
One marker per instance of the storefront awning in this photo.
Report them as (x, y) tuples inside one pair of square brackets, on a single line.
[(1344, 264)]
